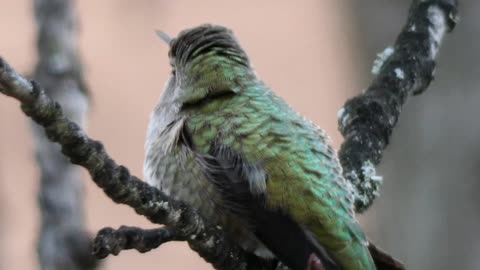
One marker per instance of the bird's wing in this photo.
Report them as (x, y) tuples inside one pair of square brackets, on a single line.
[(243, 187), (268, 160), (306, 179)]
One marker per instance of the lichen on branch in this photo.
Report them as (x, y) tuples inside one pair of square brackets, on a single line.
[(116, 181), (366, 121)]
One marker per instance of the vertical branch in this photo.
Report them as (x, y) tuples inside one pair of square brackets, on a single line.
[(63, 242), (2, 218), (367, 120)]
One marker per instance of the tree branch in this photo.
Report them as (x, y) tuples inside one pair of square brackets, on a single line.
[(63, 241), (366, 122), (117, 183), (110, 241)]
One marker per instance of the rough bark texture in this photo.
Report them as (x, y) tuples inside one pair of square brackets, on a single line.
[(116, 181), (110, 241), (433, 159), (63, 242), (366, 121)]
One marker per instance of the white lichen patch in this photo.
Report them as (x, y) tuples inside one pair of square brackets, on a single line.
[(363, 188), (413, 28), (161, 205), (352, 191), (340, 113), (381, 59), (370, 175), (399, 73), (174, 216), (352, 175), (210, 243), (343, 117), (438, 28)]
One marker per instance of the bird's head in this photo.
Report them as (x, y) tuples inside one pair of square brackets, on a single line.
[(205, 60)]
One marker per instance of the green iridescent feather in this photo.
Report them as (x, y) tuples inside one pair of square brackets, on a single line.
[(216, 100)]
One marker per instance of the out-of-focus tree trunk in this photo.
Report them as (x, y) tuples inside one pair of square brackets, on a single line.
[(63, 243), (2, 217), (428, 213)]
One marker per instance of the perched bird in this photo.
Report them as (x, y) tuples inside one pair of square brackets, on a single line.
[(223, 142)]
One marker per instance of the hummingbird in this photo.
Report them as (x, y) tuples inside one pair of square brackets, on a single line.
[(221, 141)]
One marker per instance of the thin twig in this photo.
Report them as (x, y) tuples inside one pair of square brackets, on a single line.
[(110, 241)]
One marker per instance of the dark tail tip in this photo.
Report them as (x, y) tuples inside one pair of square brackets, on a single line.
[(384, 261)]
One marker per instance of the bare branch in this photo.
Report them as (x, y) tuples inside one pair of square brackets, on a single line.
[(367, 120), (209, 242), (110, 241), (63, 241)]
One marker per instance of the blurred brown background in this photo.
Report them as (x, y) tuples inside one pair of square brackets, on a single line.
[(313, 53)]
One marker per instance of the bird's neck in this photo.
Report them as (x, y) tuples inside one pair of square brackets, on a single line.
[(211, 77)]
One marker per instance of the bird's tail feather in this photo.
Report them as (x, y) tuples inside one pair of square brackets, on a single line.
[(384, 261)]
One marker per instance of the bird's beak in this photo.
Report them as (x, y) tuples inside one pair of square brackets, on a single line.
[(164, 36)]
